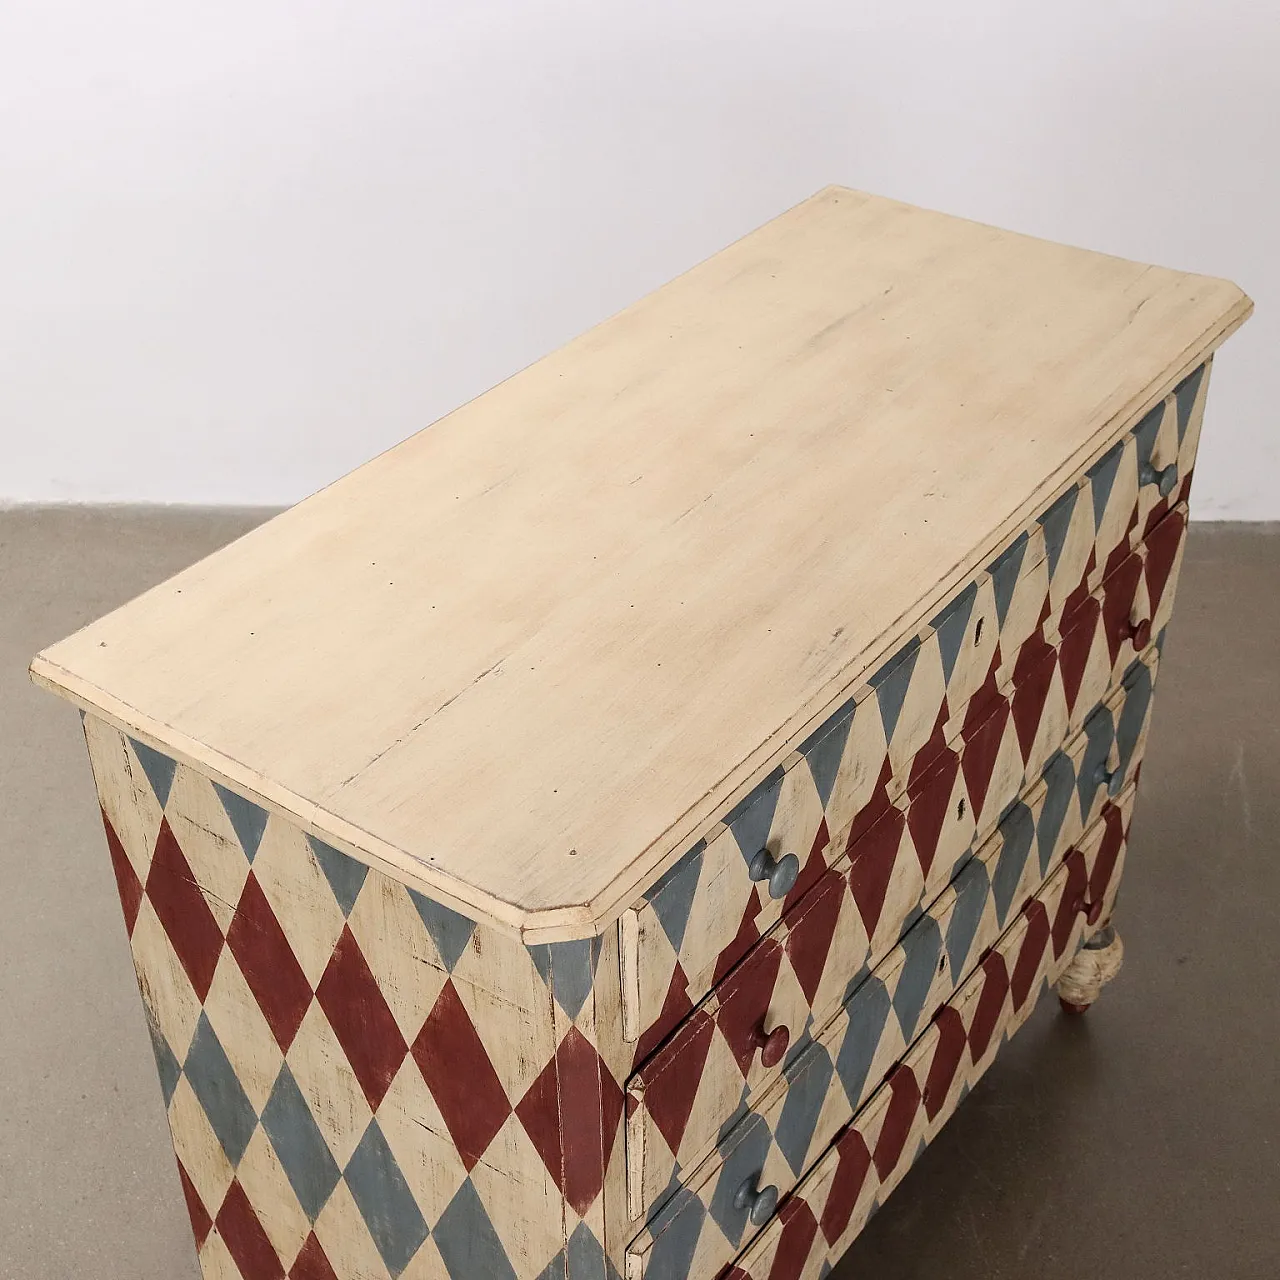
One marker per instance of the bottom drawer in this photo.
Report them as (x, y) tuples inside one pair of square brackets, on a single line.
[(830, 1206), (777, 1138)]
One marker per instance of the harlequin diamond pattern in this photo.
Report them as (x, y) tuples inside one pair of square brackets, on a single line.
[(854, 915), (301, 1059), (928, 1050), (799, 977), (305, 1071), (706, 913), (826, 1211)]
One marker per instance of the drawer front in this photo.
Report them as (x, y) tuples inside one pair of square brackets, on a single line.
[(848, 1073), (706, 913), (755, 1021)]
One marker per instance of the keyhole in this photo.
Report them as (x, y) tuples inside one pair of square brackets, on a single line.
[(977, 631)]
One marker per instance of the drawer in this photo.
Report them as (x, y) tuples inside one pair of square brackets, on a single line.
[(999, 638), (945, 966), (739, 1038)]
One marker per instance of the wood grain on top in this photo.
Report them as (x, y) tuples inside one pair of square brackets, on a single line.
[(522, 659)]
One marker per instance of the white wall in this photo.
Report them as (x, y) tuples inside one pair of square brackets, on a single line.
[(245, 245)]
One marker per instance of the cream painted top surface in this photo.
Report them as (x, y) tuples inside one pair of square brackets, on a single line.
[(527, 656)]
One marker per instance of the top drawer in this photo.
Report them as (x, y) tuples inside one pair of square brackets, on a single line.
[(760, 860)]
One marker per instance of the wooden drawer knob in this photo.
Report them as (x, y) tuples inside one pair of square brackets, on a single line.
[(773, 1044), (1092, 911), (781, 873), (1112, 779), (1165, 477), (760, 1205), (1138, 632)]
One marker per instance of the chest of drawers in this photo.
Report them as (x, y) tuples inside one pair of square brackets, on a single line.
[(609, 833)]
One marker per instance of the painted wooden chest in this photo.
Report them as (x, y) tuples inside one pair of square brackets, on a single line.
[(608, 834)]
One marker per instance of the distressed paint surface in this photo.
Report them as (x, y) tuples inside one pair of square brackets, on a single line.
[(1068, 585), (359, 1081), (362, 1083), (857, 1150), (709, 1073)]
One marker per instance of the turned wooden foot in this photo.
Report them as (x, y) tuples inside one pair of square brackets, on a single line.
[(1096, 963)]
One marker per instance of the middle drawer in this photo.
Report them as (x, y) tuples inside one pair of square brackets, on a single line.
[(763, 1012)]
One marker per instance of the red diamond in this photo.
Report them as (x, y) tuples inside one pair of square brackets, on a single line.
[(981, 750), (671, 1081), (872, 867), (675, 1009), (744, 1001), (1162, 550), (1108, 853), (747, 936), (1075, 647), (311, 1263), (269, 966), (799, 1227), (946, 1060), (810, 935), (590, 1115), (1035, 651), (1154, 516), (1031, 953), (930, 804), (457, 1069), (1071, 902), (900, 1115), (815, 867), (846, 1185), (871, 812), (348, 993), (571, 1113), (995, 988), (127, 881), (183, 912), (1028, 701), (201, 1223), (1117, 603), (986, 700), (539, 1112), (1121, 548), (924, 758), (245, 1239), (1077, 597)]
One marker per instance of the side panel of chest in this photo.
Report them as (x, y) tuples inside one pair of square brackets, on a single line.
[(359, 1081)]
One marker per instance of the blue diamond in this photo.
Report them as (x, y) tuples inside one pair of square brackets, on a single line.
[(385, 1202)]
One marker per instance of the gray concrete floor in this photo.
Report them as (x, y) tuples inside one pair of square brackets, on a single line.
[(1139, 1141)]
